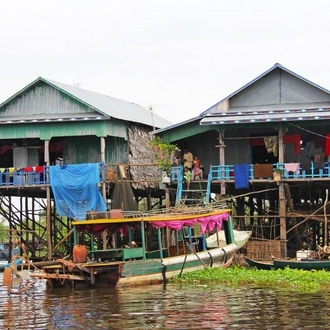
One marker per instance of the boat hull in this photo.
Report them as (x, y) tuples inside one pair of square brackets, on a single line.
[(307, 264), (151, 271), (140, 271)]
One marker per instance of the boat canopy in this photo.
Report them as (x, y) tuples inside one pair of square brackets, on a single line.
[(207, 222), (175, 221)]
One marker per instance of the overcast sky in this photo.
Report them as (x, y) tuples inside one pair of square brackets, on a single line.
[(177, 56)]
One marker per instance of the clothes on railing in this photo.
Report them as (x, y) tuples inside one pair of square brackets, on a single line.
[(262, 171), (292, 167), (241, 174)]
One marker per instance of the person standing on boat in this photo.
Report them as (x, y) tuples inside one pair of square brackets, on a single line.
[(187, 158)]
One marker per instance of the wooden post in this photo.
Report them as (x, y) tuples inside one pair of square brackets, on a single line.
[(281, 196), (222, 160), (167, 205), (326, 230), (102, 142), (48, 209)]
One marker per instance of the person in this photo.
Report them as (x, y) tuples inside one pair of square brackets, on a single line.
[(187, 177), (187, 158), (197, 172)]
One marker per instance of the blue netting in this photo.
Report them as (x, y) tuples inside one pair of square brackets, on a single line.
[(75, 189)]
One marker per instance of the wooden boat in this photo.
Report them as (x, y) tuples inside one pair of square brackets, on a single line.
[(265, 265), (177, 250), (305, 264)]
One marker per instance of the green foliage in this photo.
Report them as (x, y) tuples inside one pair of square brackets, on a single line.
[(4, 237), (163, 152), (291, 279)]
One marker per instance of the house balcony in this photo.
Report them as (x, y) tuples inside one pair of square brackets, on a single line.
[(39, 175), (288, 172)]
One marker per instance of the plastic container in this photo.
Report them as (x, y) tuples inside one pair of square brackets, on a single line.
[(6, 281), (80, 253)]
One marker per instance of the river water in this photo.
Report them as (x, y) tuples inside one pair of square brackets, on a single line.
[(158, 307)]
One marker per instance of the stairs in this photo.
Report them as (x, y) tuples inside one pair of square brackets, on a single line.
[(198, 194)]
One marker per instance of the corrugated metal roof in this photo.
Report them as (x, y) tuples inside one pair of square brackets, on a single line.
[(264, 113), (267, 116), (276, 65), (104, 104), (176, 125)]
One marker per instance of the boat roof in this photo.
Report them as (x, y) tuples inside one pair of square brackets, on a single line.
[(152, 217)]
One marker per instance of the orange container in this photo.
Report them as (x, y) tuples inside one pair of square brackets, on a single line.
[(80, 253), (6, 276)]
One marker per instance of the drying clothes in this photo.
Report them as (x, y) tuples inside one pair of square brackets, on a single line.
[(271, 144), (292, 167), (295, 139), (28, 169), (319, 142), (309, 148), (262, 171), (241, 175), (39, 169), (327, 145)]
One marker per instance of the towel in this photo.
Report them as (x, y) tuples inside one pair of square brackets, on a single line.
[(292, 167), (263, 171), (241, 174)]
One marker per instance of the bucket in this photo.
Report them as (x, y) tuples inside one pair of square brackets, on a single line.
[(80, 253), (6, 276)]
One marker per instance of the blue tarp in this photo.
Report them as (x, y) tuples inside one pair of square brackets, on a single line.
[(75, 189)]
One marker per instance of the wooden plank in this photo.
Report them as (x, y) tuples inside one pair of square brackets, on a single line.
[(58, 276)]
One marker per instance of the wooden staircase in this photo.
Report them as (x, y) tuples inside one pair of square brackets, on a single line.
[(198, 194)]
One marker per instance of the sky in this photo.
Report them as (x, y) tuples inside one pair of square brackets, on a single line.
[(177, 56)]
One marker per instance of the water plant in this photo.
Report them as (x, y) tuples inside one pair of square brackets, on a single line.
[(292, 279)]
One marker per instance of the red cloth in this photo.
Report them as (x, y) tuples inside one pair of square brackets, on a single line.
[(295, 139), (257, 142), (327, 145), (286, 139), (28, 169), (39, 169)]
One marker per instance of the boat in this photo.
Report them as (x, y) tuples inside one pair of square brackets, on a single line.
[(219, 238), (178, 240), (304, 264)]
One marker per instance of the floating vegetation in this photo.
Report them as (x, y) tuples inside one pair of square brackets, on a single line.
[(294, 279)]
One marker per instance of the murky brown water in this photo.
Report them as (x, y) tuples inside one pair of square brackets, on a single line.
[(156, 307)]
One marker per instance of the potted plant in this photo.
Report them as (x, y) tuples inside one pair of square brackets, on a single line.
[(163, 156), (277, 173)]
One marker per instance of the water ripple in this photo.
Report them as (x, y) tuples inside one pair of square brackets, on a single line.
[(158, 307)]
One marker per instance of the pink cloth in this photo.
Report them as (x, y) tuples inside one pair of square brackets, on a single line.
[(208, 222), (292, 167)]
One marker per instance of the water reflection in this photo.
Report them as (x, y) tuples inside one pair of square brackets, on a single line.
[(158, 307)]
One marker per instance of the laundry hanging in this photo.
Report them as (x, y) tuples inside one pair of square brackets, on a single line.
[(241, 175)]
